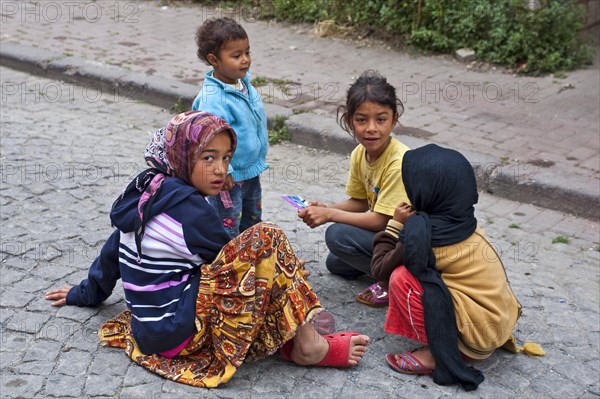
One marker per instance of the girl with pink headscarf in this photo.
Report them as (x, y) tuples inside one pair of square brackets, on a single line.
[(200, 304)]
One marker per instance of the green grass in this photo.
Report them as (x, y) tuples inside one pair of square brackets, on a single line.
[(560, 239), (179, 106), (279, 131), (259, 81)]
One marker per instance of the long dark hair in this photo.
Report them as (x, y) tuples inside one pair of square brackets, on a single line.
[(370, 86)]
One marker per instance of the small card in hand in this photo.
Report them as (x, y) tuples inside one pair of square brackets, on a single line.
[(296, 201)]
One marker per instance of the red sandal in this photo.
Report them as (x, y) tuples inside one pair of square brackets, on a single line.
[(337, 356)]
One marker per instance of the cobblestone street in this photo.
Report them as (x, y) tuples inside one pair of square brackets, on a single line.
[(66, 158), (84, 83)]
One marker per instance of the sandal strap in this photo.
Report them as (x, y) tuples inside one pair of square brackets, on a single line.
[(378, 291), (339, 349), (410, 363)]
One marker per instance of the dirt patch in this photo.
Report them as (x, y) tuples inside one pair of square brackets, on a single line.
[(413, 132), (542, 163)]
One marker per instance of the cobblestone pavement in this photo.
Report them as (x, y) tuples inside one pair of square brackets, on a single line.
[(544, 128), (63, 161)]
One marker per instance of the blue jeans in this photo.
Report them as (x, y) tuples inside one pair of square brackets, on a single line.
[(246, 209), (350, 250)]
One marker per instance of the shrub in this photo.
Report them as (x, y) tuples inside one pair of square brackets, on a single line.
[(505, 32)]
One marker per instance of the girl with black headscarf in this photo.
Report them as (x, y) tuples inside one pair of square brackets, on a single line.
[(447, 285)]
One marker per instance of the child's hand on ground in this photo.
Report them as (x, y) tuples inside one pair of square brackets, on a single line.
[(229, 182), (403, 211), (59, 295)]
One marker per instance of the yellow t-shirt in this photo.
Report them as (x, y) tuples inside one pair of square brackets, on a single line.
[(380, 182)]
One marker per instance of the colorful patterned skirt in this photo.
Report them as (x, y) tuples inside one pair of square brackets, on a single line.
[(251, 300)]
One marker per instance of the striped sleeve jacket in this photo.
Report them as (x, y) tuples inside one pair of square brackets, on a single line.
[(161, 284)]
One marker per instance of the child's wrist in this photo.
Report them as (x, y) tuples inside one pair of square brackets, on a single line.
[(394, 227)]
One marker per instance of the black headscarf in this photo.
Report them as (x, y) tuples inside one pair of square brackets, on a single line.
[(441, 185)]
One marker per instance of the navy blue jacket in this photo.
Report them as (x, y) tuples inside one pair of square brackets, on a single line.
[(161, 284)]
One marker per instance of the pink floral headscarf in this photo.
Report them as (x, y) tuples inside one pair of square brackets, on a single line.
[(172, 152)]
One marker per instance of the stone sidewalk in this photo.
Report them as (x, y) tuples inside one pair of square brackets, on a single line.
[(63, 161), (534, 140)]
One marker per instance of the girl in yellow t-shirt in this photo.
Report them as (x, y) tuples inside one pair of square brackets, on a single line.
[(374, 185)]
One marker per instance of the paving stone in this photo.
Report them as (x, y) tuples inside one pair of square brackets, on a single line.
[(9, 358), (145, 391), (27, 322), (42, 349), (561, 385), (22, 385), (37, 367), (83, 368), (74, 363), (60, 386), (107, 385), (110, 362)]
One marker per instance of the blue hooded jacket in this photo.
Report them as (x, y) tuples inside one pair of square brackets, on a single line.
[(246, 115)]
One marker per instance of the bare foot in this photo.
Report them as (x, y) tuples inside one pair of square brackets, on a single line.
[(311, 348), (358, 347)]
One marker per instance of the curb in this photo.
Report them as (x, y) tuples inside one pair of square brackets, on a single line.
[(545, 188)]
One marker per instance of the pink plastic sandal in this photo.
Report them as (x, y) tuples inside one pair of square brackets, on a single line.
[(374, 296), (407, 364)]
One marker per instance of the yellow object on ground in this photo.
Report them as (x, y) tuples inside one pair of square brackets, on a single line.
[(530, 348)]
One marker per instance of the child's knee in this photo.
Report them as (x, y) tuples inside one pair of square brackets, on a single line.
[(399, 279), (335, 236)]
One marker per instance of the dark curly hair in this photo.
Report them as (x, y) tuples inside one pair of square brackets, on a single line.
[(212, 35), (370, 86)]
